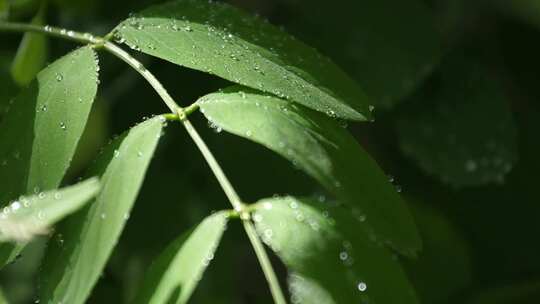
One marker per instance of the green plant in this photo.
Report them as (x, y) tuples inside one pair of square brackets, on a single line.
[(290, 101)]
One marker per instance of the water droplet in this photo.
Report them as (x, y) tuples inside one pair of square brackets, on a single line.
[(470, 165), (188, 28), (16, 205), (139, 154), (257, 218), (59, 77), (103, 216), (249, 133), (343, 255), (362, 286), (41, 195), (268, 233), (57, 195), (126, 216), (44, 108), (63, 126), (116, 153)]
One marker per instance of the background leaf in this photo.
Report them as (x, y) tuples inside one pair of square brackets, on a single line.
[(319, 146), (330, 249), (388, 46), (174, 275), (32, 53), (4, 9), (33, 215), (461, 131), (42, 127), (219, 39), (72, 266)]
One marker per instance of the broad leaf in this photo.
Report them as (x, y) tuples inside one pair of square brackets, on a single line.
[(388, 46), (173, 277), (32, 53), (330, 254), (219, 39), (27, 217), (41, 129), (73, 265), (444, 134), (319, 146)]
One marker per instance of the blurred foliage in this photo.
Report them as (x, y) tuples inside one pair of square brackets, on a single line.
[(480, 240)]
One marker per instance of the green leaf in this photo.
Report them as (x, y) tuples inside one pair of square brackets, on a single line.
[(219, 39), (319, 146), (444, 133), (73, 265), (388, 46), (41, 129), (32, 53), (330, 254), (27, 217), (173, 277), (441, 238)]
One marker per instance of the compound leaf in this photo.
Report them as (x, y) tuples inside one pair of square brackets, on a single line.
[(330, 254), (319, 146), (84, 242), (219, 39)]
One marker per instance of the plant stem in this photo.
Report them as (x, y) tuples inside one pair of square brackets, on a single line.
[(182, 113), (51, 31), (266, 266)]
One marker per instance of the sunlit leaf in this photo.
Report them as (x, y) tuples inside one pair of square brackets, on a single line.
[(461, 130), (330, 255), (174, 275), (319, 146), (32, 53), (27, 217), (219, 39), (41, 129), (84, 242)]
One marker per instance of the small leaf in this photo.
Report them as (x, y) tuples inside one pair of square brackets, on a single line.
[(32, 53), (42, 127), (444, 133), (219, 39), (319, 146), (84, 242), (27, 217), (173, 277), (330, 254)]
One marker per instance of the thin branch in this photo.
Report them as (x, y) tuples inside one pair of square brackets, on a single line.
[(182, 113)]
